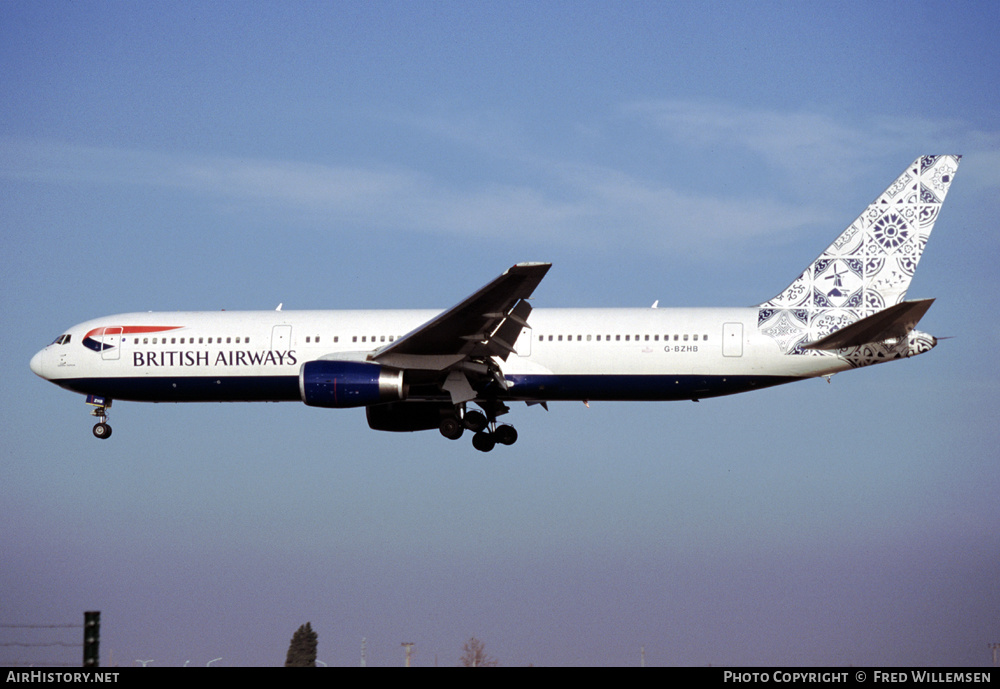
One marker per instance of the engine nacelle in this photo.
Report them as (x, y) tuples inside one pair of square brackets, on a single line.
[(348, 384), (402, 417)]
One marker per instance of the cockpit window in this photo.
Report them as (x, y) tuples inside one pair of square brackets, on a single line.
[(62, 339)]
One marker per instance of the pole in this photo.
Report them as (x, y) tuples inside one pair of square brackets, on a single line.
[(91, 638)]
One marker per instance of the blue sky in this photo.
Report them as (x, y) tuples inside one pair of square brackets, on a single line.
[(167, 156)]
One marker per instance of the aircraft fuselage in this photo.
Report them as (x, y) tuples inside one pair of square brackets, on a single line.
[(567, 354)]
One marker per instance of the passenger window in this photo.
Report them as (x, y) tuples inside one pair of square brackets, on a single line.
[(695, 338), (685, 338)]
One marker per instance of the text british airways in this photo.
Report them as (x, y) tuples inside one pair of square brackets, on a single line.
[(230, 358)]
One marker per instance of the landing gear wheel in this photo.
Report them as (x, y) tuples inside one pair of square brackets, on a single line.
[(102, 431), (483, 441), (475, 421), (451, 428), (505, 435)]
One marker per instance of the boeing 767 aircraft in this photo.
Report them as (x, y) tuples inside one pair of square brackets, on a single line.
[(420, 370)]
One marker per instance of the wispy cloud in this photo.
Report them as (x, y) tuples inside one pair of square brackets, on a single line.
[(540, 195), (803, 148), (772, 134), (589, 204)]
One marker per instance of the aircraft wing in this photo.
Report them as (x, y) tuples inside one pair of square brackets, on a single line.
[(484, 325)]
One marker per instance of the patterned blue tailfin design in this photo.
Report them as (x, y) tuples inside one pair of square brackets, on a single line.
[(867, 269)]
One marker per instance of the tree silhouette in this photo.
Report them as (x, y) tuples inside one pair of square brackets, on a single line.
[(302, 650), (474, 655)]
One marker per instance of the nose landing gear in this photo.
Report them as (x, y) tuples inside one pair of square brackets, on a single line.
[(102, 429)]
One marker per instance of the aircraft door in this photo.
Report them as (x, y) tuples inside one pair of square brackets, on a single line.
[(111, 343), (732, 339), (281, 338), (522, 347)]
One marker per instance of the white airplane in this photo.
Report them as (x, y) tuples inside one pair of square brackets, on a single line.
[(420, 370)]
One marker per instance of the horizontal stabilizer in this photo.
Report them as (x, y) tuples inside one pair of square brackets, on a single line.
[(894, 322)]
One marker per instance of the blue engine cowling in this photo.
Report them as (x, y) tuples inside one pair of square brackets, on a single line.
[(349, 384)]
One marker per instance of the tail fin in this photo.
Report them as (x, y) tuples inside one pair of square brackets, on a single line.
[(869, 267)]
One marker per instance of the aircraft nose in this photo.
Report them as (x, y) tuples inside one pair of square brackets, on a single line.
[(37, 364)]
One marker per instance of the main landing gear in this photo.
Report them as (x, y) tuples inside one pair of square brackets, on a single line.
[(102, 429), (486, 433)]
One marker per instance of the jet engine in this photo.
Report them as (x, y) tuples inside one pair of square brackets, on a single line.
[(342, 384)]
